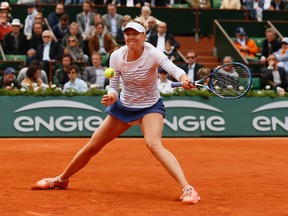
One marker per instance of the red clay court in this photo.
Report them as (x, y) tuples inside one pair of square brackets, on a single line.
[(234, 176)]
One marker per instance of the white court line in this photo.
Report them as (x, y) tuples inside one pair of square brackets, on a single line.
[(37, 214)]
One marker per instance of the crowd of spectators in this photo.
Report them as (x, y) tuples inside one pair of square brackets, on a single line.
[(88, 41), (274, 57), (92, 38)]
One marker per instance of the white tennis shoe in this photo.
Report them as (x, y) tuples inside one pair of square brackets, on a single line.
[(50, 183), (190, 195)]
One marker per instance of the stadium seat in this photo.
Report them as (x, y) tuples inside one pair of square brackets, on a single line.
[(180, 5), (258, 41), (16, 58), (216, 3), (256, 83), (104, 59)]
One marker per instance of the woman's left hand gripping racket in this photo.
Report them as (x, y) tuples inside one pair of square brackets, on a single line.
[(229, 81)]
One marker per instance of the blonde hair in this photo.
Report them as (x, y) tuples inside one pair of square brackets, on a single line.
[(141, 21), (74, 24), (202, 72)]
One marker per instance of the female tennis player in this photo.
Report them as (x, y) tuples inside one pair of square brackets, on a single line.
[(136, 64)]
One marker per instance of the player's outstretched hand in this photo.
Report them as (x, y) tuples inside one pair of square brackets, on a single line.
[(187, 84), (108, 99)]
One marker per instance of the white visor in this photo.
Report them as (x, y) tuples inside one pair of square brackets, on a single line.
[(136, 26)]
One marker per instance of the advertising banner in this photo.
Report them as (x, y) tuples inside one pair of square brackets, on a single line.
[(185, 117)]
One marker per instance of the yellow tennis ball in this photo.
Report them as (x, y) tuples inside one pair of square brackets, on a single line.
[(109, 73)]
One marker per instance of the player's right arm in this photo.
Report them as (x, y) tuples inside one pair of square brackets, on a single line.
[(109, 99)]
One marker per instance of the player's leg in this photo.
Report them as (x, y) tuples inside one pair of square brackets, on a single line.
[(152, 126), (110, 129), (106, 132)]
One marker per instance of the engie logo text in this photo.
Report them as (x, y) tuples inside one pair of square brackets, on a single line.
[(209, 119), (57, 115), (268, 119)]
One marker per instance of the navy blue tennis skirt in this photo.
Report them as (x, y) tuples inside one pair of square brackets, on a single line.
[(134, 115)]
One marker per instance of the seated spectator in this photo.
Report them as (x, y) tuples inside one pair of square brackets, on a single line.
[(201, 4), (227, 59), (34, 42), (85, 19), (191, 67), (112, 19), (203, 72), (62, 28), (5, 8), (228, 70), (277, 5), (95, 74), (39, 19), (74, 50), (170, 53), (8, 81), (15, 42), (273, 75), (30, 19), (48, 51), (255, 8), (5, 26), (164, 84), (54, 17), (74, 83), (23, 73), (33, 79), (120, 36), (158, 40), (61, 74), (145, 14), (231, 5), (73, 30), (270, 45), (92, 29), (247, 46), (100, 42), (282, 54), (226, 73), (152, 27)]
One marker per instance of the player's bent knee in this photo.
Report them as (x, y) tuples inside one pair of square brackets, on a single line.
[(154, 146)]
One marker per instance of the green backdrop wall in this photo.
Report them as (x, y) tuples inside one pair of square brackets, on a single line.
[(186, 117)]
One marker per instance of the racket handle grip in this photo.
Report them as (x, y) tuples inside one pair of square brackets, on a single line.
[(176, 84)]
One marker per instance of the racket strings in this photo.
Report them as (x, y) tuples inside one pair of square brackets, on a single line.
[(230, 81)]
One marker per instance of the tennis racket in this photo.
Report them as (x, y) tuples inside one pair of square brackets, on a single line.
[(229, 81)]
